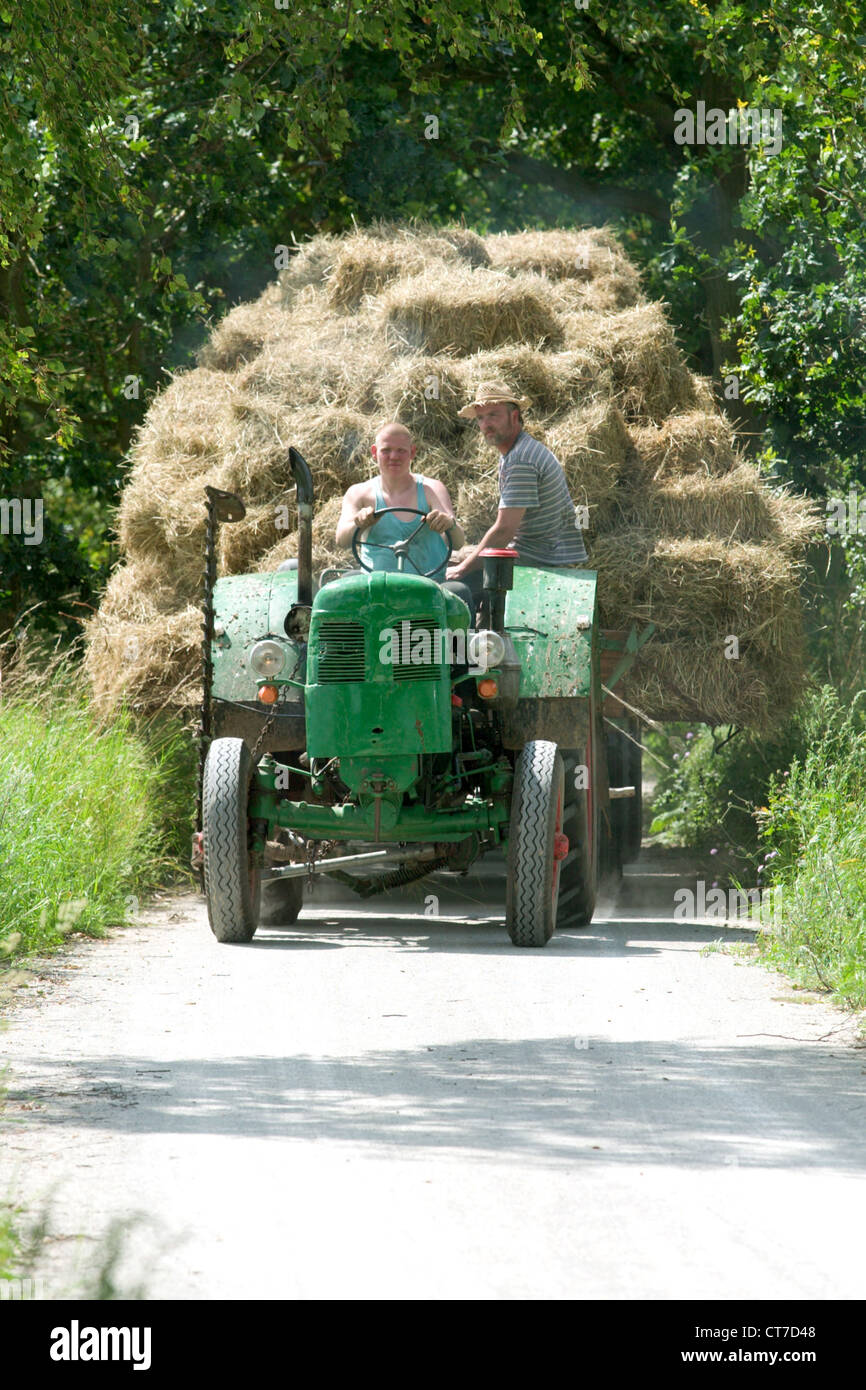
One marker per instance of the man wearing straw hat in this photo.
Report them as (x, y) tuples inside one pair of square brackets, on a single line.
[(536, 513)]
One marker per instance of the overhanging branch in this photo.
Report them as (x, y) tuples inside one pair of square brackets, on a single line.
[(584, 190)]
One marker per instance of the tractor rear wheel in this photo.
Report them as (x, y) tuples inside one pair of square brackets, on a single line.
[(582, 825), (232, 878), (282, 900), (535, 843)]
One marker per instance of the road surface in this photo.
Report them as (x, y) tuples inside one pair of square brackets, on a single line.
[(382, 1103)]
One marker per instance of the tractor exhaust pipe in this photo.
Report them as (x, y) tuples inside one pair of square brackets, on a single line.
[(498, 579), (304, 484)]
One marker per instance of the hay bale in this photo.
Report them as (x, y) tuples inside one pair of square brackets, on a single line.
[(554, 381), (310, 264), (242, 544), (171, 526), (598, 274), (467, 311), (699, 590), (142, 590), (368, 260), (340, 364), (705, 399), (650, 377), (591, 444), (735, 507), (241, 335), (336, 444), (325, 550), (694, 442), (468, 245), (180, 447), (147, 664), (686, 534), (797, 521), (424, 394), (477, 502), (366, 264), (675, 681)]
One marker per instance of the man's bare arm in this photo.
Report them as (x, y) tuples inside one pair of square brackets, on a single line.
[(442, 512), (356, 504), (500, 535)]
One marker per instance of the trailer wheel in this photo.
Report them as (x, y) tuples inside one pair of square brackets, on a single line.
[(281, 903), (534, 844), (624, 758), (633, 817), (578, 884), (612, 860), (232, 878)]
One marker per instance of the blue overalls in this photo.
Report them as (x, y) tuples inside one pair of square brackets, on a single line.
[(427, 550)]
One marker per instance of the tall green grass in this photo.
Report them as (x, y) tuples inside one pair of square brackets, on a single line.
[(93, 814), (813, 830), (786, 812)]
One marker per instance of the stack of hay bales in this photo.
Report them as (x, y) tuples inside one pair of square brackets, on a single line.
[(394, 322)]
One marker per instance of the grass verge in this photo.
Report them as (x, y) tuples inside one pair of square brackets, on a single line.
[(93, 813), (813, 829), (784, 814)]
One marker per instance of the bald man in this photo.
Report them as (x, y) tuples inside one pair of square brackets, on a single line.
[(397, 486)]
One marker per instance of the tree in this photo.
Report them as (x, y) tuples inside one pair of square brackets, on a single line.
[(139, 202)]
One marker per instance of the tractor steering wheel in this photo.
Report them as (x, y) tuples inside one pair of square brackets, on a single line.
[(401, 548)]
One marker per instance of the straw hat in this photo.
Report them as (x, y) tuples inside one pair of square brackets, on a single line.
[(491, 393)]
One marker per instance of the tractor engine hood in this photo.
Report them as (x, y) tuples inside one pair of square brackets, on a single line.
[(378, 670)]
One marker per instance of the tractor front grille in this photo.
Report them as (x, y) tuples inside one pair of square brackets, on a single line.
[(425, 667), (341, 652)]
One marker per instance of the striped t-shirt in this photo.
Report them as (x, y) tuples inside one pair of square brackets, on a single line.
[(531, 476)]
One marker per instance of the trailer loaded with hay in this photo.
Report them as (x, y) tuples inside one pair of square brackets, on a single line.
[(688, 541)]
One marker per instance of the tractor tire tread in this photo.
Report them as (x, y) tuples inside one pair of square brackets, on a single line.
[(232, 912)]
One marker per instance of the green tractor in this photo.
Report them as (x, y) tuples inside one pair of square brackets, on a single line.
[(365, 728)]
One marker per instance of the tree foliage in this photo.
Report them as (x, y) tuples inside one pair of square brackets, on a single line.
[(152, 158)]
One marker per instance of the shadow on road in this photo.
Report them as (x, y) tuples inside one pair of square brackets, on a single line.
[(555, 1100), (450, 912)]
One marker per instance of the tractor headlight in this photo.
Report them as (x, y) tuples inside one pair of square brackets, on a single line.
[(485, 649), (267, 658)]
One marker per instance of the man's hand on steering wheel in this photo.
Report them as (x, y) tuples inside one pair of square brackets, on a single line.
[(438, 521), (401, 548)]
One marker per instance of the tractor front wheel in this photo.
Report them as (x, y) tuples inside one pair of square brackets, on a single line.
[(535, 844), (232, 878)]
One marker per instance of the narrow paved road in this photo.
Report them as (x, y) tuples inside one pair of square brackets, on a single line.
[(385, 1104)]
